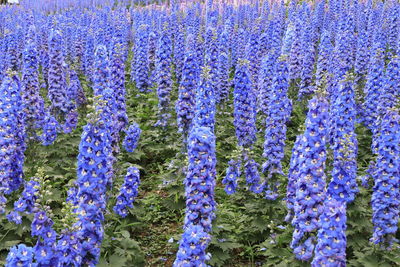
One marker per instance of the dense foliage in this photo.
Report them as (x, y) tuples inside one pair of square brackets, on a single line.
[(223, 133)]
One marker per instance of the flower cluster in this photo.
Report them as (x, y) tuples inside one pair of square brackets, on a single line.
[(295, 162), (385, 196), (186, 97), (200, 178), (192, 248), (200, 202), (307, 67), (244, 106), (132, 137), (42, 227), (128, 192), (253, 56), (330, 250), (388, 98), (265, 83), (20, 255), (372, 90), (75, 91), (50, 126), (164, 80), (205, 102), (69, 248), (295, 56), (140, 66), (279, 109), (362, 54), (232, 174), (343, 186), (101, 73), (117, 82), (33, 102), (12, 55), (179, 51), (57, 82), (12, 137), (27, 200), (323, 62), (211, 61), (88, 55), (252, 175), (152, 57), (223, 67), (310, 185), (93, 175)]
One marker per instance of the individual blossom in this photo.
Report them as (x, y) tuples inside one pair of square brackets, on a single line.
[(330, 250), (232, 174), (128, 192), (205, 102), (164, 80), (310, 185), (15, 217), (20, 255), (192, 247), (140, 66), (385, 196), (200, 179), (132, 137)]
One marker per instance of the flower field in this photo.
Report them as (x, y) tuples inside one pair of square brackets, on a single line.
[(200, 133)]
